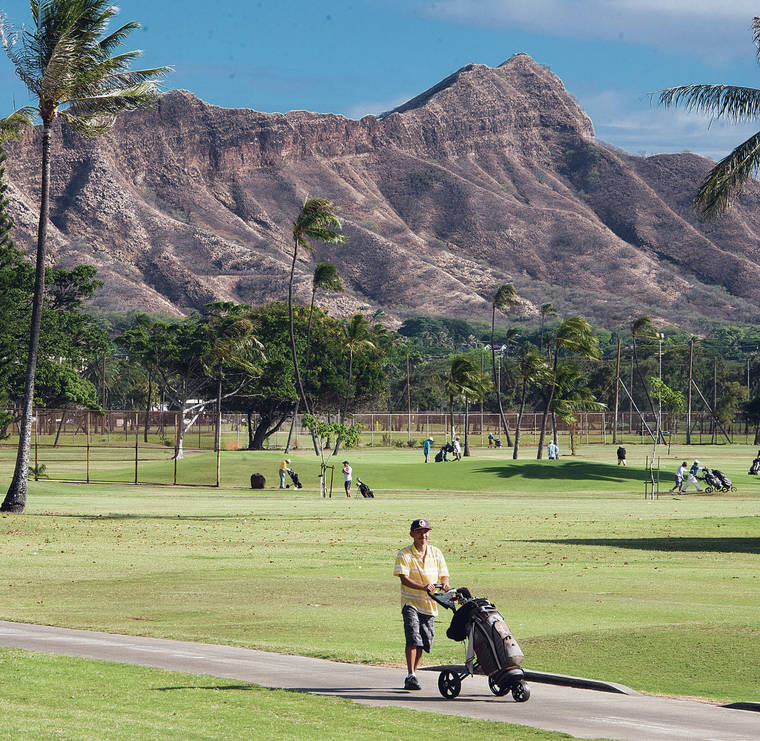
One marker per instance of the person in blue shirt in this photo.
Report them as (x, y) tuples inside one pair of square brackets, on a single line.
[(553, 450), (692, 476), (426, 449)]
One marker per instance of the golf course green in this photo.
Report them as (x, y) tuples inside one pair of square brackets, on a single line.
[(661, 594)]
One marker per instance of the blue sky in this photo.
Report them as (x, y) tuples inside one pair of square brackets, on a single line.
[(355, 57)]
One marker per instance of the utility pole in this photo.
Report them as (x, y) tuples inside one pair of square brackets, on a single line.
[(617, 395), (715, 398), (408, 402), (688, 408)]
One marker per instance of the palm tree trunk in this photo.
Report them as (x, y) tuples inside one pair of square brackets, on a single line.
[(15, 498), (519, 420), (60, 426), (291, 323), (466, 426), (542, 436), (292, 427), (497, 383)]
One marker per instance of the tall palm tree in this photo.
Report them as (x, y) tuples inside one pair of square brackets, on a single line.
[(464, 381), (504, 300), (317, 221), (546, 310), (326, 278), (358, 335), (573, 335), (532, 369), (71, 70), (725, 181)]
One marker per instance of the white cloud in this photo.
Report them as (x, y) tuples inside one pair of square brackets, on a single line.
[(639, 127), (707, 27)]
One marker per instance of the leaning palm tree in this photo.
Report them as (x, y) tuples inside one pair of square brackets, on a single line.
[(504, 300), (725, 181), (573, 335), (318, 221), (573, 395), (73, 73)]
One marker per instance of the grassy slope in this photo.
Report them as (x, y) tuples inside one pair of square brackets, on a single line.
[(594, 580), (81, 700)]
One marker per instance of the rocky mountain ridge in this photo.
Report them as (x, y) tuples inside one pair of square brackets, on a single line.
[(492, 175)]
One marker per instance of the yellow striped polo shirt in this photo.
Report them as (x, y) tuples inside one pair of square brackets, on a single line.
[(428, 570)]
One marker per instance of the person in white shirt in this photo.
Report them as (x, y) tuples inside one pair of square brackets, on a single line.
[(347, 474), (680, 473), (457, 449)]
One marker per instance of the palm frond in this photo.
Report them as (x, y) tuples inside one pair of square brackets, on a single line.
[(732, 102), (506, 297), (725, 181), (10, 126)]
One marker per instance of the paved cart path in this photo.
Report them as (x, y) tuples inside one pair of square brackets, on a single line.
[(582, 713)]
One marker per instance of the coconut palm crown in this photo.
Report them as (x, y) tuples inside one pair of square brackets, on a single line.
[(726, 180)]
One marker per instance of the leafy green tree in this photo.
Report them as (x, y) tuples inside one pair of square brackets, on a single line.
[(573, 336), (504, 300), (725, 181), (532, 370), (70, 68), (233, 348), (751, 412), (465, 381)]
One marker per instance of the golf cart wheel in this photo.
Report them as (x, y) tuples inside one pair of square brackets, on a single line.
[(708, 490), (498, 688), (521, 692), (449, 684), (733, 488)]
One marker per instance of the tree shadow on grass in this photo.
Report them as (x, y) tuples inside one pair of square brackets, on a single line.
[(566, 471), (687, 545)]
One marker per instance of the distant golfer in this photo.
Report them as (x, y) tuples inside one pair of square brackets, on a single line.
[(348, 472), (420, 566), (680, 473), (426, 448), (621, 456), (283, 469), (692, 477), (553, 450)]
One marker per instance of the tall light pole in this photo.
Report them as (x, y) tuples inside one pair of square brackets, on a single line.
[(660, 337)]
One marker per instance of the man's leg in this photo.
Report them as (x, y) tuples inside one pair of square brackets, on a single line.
[(282, 479), (413, 656)]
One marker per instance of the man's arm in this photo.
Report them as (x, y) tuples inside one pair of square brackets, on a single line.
[(412, 584)]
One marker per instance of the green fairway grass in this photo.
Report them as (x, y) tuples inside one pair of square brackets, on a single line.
[(81, 700), (594, 580)]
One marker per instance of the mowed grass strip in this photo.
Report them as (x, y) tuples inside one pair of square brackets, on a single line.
[(54, 697), (593, 579)]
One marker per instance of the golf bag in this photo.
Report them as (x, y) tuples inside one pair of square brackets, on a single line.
[(490, 640), (439, 456), (294, 478), (364, 490), (754, 469), (725, 482), (497, 442)]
